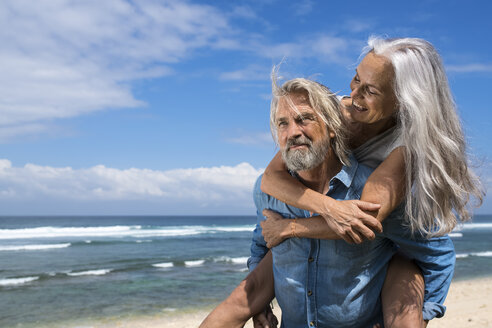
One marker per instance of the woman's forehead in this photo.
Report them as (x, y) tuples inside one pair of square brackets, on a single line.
[(376, 70)]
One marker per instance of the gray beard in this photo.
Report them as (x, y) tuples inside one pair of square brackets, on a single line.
[(305, 159)]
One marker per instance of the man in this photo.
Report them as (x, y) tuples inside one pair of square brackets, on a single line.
[(325, 283)]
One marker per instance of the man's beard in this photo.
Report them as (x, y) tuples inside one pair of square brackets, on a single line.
[(305, 159)]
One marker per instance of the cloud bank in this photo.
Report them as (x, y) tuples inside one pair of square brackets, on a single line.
[(227, 187)]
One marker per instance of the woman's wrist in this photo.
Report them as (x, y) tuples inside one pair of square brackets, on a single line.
[(326, 208), (287, 230)]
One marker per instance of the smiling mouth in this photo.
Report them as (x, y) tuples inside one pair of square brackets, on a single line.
[(293, 147), (357, 107)]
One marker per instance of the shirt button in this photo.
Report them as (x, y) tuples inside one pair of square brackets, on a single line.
[(310, 293), (311, 323), (310, 259)]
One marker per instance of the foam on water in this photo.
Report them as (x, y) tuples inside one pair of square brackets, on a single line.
[(100, 272), (163, 265), (115, 231), (17, 281), (234, 260), (239, 260), (487, 254), (470, 226), (456, 235), (481, 254), (194, 263), (33, 247)]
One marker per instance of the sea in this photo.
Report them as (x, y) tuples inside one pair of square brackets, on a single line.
[(65, 270)]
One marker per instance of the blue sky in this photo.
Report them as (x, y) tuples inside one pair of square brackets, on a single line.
[(161, 107)]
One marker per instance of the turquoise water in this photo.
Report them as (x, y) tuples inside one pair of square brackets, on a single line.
[(56, 269)]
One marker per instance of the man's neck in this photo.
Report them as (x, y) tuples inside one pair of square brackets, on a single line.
[(318, 178)]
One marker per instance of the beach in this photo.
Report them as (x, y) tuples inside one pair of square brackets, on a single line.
[(469, 305)]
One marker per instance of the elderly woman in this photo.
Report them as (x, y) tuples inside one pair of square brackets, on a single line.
[(404, 123)]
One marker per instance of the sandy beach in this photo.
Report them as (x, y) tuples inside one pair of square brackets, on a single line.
[(469, 304)]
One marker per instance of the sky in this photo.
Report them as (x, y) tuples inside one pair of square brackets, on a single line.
[(148, 107)]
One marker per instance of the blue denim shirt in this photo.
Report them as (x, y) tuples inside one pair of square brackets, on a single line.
[(329, 283)]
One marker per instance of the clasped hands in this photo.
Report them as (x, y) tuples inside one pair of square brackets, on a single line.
[(348, 219)]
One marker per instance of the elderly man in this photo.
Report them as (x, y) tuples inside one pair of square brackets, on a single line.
[(319, 282)]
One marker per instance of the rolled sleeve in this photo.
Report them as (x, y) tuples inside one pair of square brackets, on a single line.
[(258, 244)]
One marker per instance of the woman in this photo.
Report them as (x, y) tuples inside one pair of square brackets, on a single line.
[(404, 122)]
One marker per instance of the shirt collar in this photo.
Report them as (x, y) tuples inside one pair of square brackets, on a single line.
[(347, 173)]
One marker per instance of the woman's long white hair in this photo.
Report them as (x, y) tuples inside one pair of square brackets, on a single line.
[(435, 147)]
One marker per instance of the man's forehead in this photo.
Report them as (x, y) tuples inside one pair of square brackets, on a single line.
[(294, 104)]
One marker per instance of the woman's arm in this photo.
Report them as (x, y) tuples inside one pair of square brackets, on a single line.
[(250, 297), (346, 218), (384, 186)]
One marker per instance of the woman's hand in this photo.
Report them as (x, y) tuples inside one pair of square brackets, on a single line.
[(348, 219), (275, 228)]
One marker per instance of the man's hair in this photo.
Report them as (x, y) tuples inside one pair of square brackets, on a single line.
[(323, 102), (435, 148)]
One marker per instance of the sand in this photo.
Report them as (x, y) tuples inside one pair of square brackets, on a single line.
[(469, 304)]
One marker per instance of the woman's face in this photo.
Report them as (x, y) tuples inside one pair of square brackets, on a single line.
[(373, 97)]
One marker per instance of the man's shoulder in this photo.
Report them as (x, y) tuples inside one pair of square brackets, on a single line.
[(265, 201), (360, 177)]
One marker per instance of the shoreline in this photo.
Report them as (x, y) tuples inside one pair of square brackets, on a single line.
[(469, 304)]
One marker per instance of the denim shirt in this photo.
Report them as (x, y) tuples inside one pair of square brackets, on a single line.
[(325, 283), (330, 283)]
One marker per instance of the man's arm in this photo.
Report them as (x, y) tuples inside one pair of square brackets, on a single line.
[(250, 297), (258, 244)]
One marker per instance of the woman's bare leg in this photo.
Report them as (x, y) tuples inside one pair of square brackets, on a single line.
[(250, 297), (403, 294)]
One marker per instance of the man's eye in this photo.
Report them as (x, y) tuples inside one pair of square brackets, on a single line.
[(371, 92), (356, 78), (282, 124)]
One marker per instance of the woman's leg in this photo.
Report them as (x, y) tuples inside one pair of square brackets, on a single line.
[(403, 294), (250, 297)]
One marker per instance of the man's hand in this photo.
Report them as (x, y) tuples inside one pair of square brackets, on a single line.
[(265, 319), (348, 219), (275, 228)]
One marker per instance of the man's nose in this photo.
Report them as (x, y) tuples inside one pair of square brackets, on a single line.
[(294, 130)]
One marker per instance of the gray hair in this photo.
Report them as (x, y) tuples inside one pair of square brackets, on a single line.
[(435, 147), (322, 100)]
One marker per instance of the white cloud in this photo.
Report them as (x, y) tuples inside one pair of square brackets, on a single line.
[(262, 138), (358, 25), (303, 7), (325, 48), (65, 58), (250, 73), (470, 68), (197, 187)]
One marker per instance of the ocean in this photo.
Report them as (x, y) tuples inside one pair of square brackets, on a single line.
[(64, 271)]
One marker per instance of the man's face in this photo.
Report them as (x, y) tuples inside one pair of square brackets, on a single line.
[(302, 136)]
